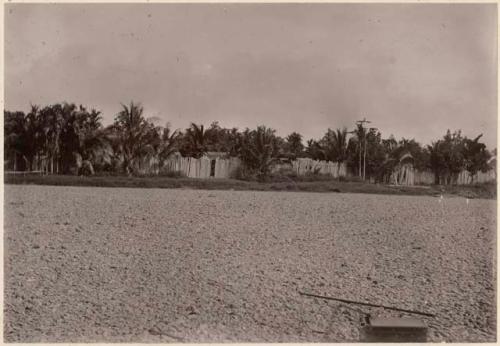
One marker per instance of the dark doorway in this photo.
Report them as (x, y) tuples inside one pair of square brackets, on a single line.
[(212, 168)]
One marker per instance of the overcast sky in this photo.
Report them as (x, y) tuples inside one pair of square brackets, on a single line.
[(414, 70)]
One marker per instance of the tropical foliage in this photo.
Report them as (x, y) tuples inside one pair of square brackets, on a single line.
[(69, 139), (293, 147), (453, 153), (259, 150), (62, 136)]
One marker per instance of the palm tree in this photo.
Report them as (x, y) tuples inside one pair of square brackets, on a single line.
[(294, 145), (24, 138), (335, 143), (216, 137), (96, 151), (259, 150), (159, 145), (447, 157), (476, 156), (73, 137), (94, 146), (196, 138), (360, 133), (168, 144), (233, 142), (130, 128), (437, 161), (314, 150), (56, 120), (390, 144), (15, 137)]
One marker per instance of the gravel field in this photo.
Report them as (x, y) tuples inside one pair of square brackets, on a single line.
[(149, 265)]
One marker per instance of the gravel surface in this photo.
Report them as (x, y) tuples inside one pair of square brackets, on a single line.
[(114, 264)]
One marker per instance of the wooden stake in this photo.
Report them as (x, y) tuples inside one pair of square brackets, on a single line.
[(368, 304)]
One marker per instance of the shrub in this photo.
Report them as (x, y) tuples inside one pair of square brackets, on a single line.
[(259, 150), (244, 173), (283, 174)]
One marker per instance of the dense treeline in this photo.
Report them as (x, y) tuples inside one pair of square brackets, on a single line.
[(70, 139)]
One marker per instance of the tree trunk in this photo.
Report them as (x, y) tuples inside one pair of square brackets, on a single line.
[(359, 172), (364, 161)]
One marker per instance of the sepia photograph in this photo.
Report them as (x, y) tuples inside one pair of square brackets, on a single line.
[(250, 172)]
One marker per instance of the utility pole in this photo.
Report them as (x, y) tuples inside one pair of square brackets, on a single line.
[(371, 129), (360, 171), (361, 122), (364, 161)]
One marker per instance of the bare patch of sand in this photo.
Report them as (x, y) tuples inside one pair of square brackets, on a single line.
[(116, 264)]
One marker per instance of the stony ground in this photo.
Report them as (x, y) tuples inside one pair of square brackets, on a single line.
[(114, 264)]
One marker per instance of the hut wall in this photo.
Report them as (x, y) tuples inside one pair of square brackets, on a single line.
[(303, 166), (403, 174), (407, 175), (201, 168)]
